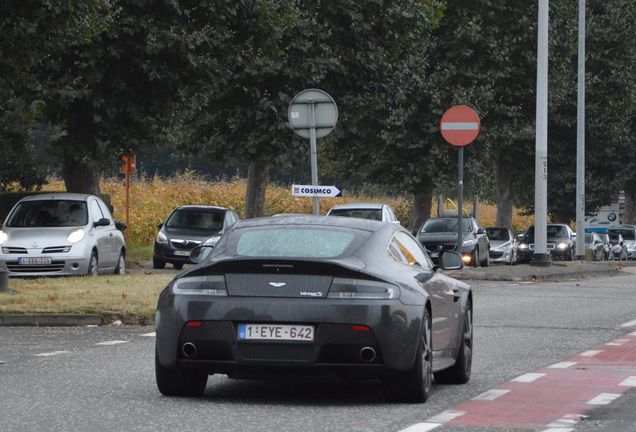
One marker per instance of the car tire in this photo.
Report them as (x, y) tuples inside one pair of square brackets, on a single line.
[(179, 382), (120, 269), (486, 262), (177, 266), (459, 373), (414, 386), (474, 258), (159, 265), (92, 265)]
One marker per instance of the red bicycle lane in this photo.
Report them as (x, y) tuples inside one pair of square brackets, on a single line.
[(551, 399)]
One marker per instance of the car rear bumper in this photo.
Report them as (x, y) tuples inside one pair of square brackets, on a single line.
[(369, 336)]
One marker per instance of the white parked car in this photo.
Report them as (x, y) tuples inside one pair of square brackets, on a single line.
[(374, 211), (61, 234)]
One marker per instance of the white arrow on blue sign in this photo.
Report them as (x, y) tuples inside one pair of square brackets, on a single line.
[(319, 191)]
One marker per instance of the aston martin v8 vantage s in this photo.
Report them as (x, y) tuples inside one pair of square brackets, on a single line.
[(351, 298)]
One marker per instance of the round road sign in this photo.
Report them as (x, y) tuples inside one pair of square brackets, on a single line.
[(460, 125), (312, 109)]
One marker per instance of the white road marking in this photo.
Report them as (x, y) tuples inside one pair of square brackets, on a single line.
[(52, 353), (113, 342), (562, 365), (421, 427), (590, 353), (629, 382), (491, 395), (153, 334), (604, 399), (529, 377), (628, 324), (446, 416)]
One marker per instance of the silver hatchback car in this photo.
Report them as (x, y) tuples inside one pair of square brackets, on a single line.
[(61, 234)]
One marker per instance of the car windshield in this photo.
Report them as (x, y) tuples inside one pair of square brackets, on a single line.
[(627, 233), (498, 234), (196, 219), (444, 225), (48, 213), (375, 214), (557, 231), (294, 242)]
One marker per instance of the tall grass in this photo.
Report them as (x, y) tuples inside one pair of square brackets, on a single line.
[(151, 199)]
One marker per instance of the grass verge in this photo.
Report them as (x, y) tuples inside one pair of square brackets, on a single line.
[(125, 295)]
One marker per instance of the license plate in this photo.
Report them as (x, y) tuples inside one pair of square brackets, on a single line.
[(282, 332), (182, 253), (434, 254), (32, 261)]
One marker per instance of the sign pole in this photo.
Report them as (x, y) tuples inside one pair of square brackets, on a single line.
[(312, 114), (540, 256), (460, 197), (127, 201), (314, 153), (460, 126)]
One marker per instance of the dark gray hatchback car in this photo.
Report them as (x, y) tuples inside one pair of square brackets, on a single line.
[(186, 228), (441, 233), (314, 296)]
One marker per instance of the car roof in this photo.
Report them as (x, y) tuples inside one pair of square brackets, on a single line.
[(357, 206), (58, 196), (309, 220), (200, 207)]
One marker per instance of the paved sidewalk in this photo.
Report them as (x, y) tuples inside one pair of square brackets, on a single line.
[(554, 272)]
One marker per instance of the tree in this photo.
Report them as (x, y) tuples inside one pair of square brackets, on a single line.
[(362, 53)]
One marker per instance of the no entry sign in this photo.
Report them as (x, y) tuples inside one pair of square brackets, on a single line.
[(460, 125)]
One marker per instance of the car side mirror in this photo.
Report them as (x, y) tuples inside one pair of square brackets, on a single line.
[(200, 253), (481, 231), (450, 260), (102, 222), (160, 225)]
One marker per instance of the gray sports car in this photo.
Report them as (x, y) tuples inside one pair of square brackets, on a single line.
[(351, 298)]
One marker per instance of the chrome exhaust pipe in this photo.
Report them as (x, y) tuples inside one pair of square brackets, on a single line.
[(367, 354), (189, 349)]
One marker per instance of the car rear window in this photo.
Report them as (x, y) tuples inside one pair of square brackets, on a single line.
[(294, 243)]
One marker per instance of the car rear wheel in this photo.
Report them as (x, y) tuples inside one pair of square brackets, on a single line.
[(158, 264), (179, 382), (414, 386), (92, 265), (121, 265), (459, 373)]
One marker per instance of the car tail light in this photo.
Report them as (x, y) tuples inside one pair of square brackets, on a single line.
[(362, 289), (212, 285)]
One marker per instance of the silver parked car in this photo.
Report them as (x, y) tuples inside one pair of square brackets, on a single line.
[(374, 211), (504, 245), (61, 234)]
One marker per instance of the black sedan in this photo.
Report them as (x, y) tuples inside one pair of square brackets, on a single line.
[(308, 295)]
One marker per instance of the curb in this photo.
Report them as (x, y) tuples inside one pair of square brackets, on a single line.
[(50, 320)]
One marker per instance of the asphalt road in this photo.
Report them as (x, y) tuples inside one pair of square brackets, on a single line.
[(101, 378)]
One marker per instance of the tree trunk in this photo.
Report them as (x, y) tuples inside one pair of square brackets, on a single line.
[(503, 196), (257, 177), (629, 214), (422, 204), (80, 177)]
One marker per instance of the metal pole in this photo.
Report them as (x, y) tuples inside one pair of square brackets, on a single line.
[(580, 140), (314, 155), (127, 199), (541, 161), (460, 197)]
